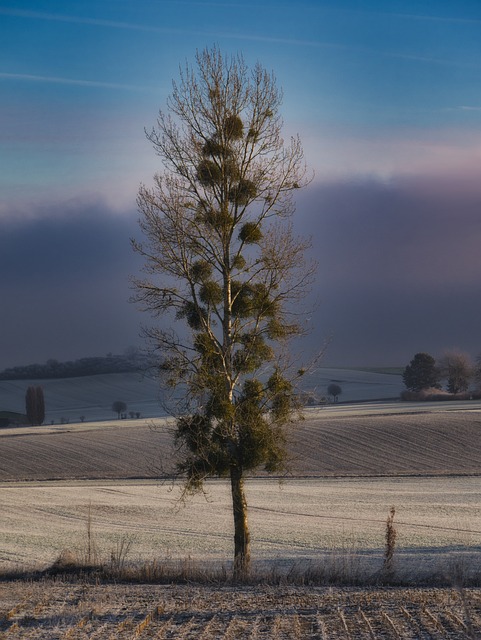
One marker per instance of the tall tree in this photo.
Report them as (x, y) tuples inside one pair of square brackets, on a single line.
[(40, 405), (35, 405), (477, 371), (224, 268), (30, 405), (421, 373)]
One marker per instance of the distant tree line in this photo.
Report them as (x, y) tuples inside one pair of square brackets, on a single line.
[(77, 368), (424, 376)]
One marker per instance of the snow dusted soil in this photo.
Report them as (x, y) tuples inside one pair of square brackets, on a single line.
[(349, 466)]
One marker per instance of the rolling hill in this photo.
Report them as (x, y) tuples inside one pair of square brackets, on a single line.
[(367, 440), (67, 399)]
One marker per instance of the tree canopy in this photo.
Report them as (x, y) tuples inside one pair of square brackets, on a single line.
[(421, 373), (457, 368), (334, 390), (118, 407), (224, 272)]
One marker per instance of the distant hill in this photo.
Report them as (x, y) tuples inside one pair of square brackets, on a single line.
[(53, 369), (91, 396), (87, 397)]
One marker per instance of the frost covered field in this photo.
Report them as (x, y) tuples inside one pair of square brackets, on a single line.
[(369, 439), (438, 521), (330, 523), (67, 488), (350, 465)]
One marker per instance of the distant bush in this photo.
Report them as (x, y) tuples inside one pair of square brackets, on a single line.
[(433, 394), (12, 418)]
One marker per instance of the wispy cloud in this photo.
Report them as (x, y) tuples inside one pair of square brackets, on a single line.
[(113, 24), (427, 59), (232, 35), (468, 108), (55, 17), (431, 18), (71, 81), (463, 108), (412, 16)]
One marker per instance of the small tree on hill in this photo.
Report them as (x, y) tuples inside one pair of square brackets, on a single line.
[(334, 390), (421, 373), (35, 405), (119, 407), (224, 267)]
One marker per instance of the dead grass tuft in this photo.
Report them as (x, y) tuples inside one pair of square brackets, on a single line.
[(390, 537)]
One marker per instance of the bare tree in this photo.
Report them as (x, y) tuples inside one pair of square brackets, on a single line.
[(225, 271), (457, 368)]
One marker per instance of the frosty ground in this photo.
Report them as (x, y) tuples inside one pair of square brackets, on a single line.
[(349, 465), (299, 522), (92, 488)]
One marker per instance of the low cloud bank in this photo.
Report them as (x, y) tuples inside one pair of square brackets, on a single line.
[(399, 272), (399, 265), (66, 284)]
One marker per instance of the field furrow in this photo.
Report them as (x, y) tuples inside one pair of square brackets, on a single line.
[(334, 443), (113, 611)]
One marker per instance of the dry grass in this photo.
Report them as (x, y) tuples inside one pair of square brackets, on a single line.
[(55, 610)]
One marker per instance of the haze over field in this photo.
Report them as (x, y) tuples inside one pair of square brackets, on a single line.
[(388, 104)]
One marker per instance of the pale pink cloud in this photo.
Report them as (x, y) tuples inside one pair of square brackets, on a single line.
[(338, 154)]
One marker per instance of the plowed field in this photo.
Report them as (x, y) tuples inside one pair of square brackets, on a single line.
[(370, 441)]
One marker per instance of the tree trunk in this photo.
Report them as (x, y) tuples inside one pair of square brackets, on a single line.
[(242, 547)]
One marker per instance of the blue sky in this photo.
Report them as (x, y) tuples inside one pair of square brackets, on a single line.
[(385, 95)]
